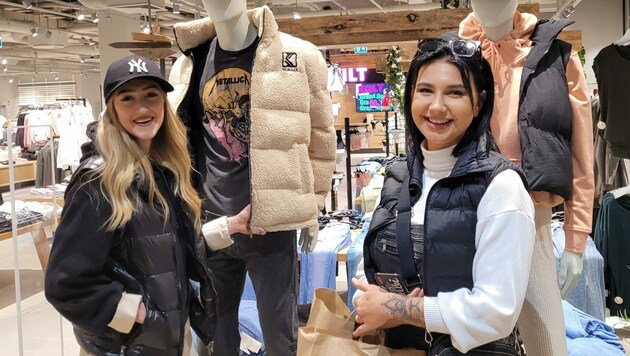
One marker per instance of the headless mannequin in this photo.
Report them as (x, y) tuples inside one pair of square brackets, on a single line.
[(234, 31), (496, 18)]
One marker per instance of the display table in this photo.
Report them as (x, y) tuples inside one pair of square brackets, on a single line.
[(22, 171)]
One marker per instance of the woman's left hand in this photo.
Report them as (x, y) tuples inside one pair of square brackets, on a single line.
[(370, 310), (379, 309)]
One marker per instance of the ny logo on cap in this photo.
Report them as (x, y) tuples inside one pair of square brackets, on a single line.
[(139, 65)]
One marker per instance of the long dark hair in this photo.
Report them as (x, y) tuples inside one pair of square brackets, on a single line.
[(473, 69)]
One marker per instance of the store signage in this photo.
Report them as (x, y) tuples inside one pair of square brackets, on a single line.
[(360, 49), (361, 75), (369, 97)]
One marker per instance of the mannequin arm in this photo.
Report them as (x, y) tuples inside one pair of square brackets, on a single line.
[(322, 148), (579, 210)]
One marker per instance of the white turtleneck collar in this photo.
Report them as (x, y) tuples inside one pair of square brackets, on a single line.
[(439, 163)]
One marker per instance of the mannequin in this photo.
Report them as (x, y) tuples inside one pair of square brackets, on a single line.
[(233, 28), (260, 128), (505, 36), (495, 17)]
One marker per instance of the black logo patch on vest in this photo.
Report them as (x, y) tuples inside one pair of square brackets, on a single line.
[(289, 61)]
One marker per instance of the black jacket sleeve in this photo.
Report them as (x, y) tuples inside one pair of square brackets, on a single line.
[(76, 283)]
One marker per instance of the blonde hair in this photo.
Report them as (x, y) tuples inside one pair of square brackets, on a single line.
[(124, 162)]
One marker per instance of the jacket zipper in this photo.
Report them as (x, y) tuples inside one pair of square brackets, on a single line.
[(251, 132), (173, 222)]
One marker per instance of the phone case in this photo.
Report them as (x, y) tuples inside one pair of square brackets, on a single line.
[(392, 282)]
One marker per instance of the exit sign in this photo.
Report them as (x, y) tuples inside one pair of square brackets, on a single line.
[(360, 49)]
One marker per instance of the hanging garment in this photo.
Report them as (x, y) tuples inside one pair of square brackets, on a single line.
[(612, 238), (588, 294), (318, 268)]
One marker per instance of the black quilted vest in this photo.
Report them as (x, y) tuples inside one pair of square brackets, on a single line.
[(450, 217), (544, 115)]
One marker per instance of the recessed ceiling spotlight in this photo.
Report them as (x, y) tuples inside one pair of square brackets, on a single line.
[(4, 69), (80, 16), (296, 15), (11, 80), (27, 4), (34, 32), (56, 76), (94, 17), (4, 61), (175, 8), (48, 33), (82, 60)]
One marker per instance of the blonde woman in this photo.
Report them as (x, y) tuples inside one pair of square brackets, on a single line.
[(128, 240)]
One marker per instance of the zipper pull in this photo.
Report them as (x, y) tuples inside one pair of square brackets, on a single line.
[(428, 338), (384, 248)]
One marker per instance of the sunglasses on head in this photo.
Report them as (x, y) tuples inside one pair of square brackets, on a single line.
[(461, 48)]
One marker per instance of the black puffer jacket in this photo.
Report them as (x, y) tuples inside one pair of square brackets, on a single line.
[(90, 268)]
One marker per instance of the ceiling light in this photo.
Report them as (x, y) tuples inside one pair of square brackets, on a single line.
[(27, 4), (82, 60), (94, 17), (4, 69), (4, 61), (145, 28), (11, 80), (48, 33), (34, 32), (90, 41), (80, 16), (296, 14), (56, 76), (175, 8)]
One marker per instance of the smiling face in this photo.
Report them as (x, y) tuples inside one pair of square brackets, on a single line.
[(441, 108), (139, 106)]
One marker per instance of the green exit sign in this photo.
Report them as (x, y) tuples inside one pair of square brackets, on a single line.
[(360, 49)]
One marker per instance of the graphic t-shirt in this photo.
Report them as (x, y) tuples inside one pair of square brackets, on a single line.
[(224, 154)]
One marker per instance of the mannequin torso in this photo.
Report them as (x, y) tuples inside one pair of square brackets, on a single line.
[(495, 17), (234, 30)]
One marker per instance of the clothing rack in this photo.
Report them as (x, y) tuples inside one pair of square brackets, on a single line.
[(83, 100), (346, 122)]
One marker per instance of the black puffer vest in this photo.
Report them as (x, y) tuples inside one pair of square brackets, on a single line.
[(450, 217), (156, 258), (544, 115)]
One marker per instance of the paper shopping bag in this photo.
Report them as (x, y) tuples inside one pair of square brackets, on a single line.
[(329, 312), (329, 331)]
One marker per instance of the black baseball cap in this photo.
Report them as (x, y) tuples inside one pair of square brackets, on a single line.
[(130, 68)]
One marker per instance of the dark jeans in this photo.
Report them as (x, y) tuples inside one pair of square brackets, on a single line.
[(271, 261), (407, 336)]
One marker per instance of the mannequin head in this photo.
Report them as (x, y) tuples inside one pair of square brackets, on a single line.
[(495, 16), (223, 10)]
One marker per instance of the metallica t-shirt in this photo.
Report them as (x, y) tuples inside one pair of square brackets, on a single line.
[(223, 158)]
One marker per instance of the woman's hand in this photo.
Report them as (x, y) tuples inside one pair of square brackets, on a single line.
[(240, 223), (380, 309), (141, 314)]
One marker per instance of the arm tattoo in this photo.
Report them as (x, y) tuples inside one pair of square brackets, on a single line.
[(407, 309)]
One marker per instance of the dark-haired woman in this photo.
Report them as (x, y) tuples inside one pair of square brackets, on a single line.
[(456, 213)]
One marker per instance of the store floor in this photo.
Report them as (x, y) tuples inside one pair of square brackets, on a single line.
[(44, 332)]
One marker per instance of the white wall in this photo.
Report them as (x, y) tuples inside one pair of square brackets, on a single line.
[(8, 98), (89, 88), (601, 23)]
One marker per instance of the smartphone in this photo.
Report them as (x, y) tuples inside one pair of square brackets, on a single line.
[(392, 282)]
